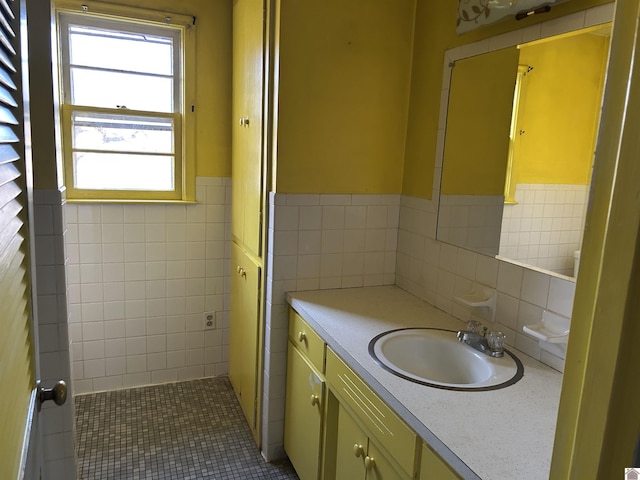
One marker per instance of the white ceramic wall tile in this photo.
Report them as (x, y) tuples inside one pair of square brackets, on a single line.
[(135, 271), (545, 227), (439, 270), (487, 271), (561, 295), (507, 311), (54, 331), (535, 287), (470, 221), (510, 279)]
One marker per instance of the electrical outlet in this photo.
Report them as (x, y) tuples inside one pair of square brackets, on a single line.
[(209, 320)]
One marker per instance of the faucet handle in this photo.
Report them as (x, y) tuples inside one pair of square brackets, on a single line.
[(495, 340), (474, 326)]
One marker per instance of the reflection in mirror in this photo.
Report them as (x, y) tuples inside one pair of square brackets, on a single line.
[(520, 138)]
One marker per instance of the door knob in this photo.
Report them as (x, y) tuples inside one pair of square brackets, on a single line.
[(58, 393), (369, 462), (315, 400), (358, 450)]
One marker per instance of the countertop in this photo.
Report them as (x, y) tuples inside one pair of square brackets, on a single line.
[(498, 434)]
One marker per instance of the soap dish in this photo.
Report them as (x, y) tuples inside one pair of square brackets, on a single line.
[(476, 299), (553, 328), (479, 299)]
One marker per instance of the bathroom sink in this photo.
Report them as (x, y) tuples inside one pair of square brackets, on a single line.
[(436, 358)]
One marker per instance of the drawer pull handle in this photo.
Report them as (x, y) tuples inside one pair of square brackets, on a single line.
[(358, 451), (369, 463), (302, 337), (315, 400)]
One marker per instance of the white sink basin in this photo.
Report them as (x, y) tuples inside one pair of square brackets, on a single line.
[(436, 358)]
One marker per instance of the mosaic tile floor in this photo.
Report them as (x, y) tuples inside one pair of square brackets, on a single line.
[(188, 430)]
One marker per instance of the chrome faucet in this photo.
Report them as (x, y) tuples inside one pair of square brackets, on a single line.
[(491, 346)]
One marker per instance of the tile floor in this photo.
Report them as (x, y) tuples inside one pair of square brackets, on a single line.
[(187, 430)]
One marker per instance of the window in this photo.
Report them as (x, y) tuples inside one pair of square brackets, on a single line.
[(123, 108)]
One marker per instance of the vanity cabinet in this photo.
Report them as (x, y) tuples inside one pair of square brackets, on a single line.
[(337, 428), (432, 467), (371, 442), (357, 456), (305, 398)]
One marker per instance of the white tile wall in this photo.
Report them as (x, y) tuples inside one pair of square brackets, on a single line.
[(319, 242), (140, 279), (436, 272), (53, 333), (546, 225), (471, 221)]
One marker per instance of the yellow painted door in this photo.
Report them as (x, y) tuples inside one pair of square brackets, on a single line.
[(19, 437), (244, 328), (247, 115), (303, 415), (351, 448)]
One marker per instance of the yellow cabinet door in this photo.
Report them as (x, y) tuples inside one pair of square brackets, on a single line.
[(303, 415), (244, 332), (378, 467), (432, 467), (247, 135), (351, 448)]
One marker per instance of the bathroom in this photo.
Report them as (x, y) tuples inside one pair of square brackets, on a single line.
[(367, 217)]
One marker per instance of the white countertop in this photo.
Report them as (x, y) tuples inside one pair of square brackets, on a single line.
[(497, 434)]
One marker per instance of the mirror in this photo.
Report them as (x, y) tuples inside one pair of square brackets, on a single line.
[(519, 143)]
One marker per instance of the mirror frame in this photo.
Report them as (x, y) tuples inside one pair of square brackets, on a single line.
[(590, 18)]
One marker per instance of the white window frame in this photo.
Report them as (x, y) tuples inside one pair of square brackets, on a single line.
[(182, 29)]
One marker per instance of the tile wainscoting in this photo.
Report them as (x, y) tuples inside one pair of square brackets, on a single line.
[(140, 279), (53, 333), (436, 272), (545, 227), (318, 241)]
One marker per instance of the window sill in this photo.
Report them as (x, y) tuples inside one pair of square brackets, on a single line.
[(131, 201)]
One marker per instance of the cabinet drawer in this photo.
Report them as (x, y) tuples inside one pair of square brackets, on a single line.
[(384, 425), (306, 340)]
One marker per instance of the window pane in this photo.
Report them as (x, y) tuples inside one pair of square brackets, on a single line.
[(96, 88), (122, 133), (112, 171), (110, 49)]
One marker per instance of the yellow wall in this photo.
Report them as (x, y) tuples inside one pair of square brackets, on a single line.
[(434, 34), (343, 107), (213, 91), (478, 123), (561, 109), (343, 95)]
